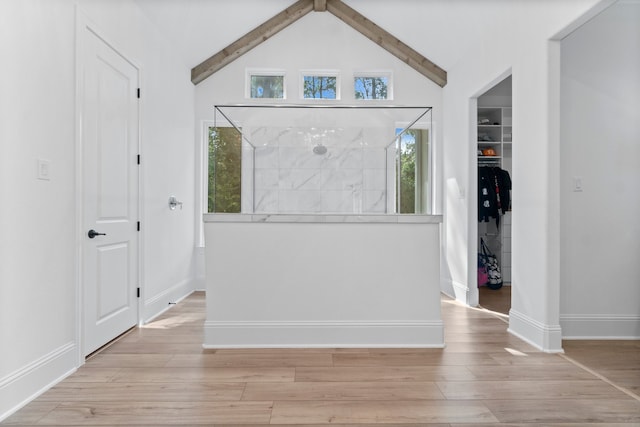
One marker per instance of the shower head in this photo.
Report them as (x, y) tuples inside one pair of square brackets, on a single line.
[(320, 149)]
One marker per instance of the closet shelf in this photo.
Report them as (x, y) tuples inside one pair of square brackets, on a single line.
[(492, 135)]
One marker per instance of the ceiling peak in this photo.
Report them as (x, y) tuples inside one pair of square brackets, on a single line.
[(319, 5), (342, 11)]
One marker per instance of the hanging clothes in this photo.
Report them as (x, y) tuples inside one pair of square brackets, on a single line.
[(494, 193)]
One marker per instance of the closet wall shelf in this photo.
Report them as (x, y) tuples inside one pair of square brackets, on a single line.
[(492, 135)]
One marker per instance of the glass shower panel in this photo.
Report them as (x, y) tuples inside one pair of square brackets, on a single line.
[(323, 159)]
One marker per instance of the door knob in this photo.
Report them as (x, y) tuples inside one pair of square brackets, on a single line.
[(93, 233)]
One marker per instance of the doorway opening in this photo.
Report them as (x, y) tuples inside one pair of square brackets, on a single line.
[(494, 161)]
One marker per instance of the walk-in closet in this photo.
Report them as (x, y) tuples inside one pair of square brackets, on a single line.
[(494, 154)]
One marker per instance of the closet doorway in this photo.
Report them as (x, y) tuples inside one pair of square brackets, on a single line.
[(494, 160)]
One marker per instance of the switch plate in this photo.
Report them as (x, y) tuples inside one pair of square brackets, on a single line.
[(44, 169), (577, 184), (461, 193)]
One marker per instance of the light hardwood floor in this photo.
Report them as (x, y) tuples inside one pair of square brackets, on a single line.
[(498, 300), (160, 375)]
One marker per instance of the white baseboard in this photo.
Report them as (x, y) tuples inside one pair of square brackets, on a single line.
[(547, 338), (323, 334), (158, 304), (600, 327), (22, 386)]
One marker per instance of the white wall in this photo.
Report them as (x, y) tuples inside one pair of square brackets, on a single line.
[(514, 40), (600, 114), (37, 223), (37, 228)]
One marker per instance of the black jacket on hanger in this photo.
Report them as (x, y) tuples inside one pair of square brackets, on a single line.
[(494, 193)]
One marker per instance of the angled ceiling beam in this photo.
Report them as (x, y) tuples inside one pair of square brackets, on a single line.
[(387, 41), (320, 5), (251, 40)]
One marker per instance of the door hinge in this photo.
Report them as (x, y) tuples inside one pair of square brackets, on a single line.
[(138, 93), (138, 292), (138, 158), (138, 225)]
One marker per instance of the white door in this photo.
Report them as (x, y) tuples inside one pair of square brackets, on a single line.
[(110, 193)]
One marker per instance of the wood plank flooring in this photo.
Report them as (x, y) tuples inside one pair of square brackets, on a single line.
[(498, 300), (160, 375)]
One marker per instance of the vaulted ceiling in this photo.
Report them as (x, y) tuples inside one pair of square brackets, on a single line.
[(297, 11), (440, 30)]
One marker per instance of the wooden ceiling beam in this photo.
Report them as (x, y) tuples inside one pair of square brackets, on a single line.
[(299, 9), (387, 41), (320, 5), (251, 40)]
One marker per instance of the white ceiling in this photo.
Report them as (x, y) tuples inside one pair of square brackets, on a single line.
[(441, 30), (201, 28)]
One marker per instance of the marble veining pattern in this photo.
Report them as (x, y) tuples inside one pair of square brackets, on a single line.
[(289, 177)]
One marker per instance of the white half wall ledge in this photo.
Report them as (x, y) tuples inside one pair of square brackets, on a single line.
[(386, 334), (281, 284), (547, 338), (21, 387), (600, 327)]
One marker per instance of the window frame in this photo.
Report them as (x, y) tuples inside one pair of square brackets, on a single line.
[(320, 73), (264, 72), (374, 74)]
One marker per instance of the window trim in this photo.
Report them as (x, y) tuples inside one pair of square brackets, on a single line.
[(319, 73), (374, 73), (265, 72)]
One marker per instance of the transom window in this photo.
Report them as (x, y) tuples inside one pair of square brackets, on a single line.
[(265, 85), (372, 86), (320, 85)]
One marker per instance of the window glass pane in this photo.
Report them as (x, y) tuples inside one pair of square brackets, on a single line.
[(412, 172), (225, 167), (267, 87), (371, 87), (320, 87)]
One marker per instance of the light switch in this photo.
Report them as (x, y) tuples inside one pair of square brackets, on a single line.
[(461, 193), (44, 169), (577, 183)]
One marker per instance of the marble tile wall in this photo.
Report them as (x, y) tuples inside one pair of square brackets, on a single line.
[(351, 177)]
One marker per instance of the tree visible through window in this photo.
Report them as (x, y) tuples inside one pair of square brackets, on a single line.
[(225, 169), (412, 177), (320, 87), (371, 87), (267, 87)]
